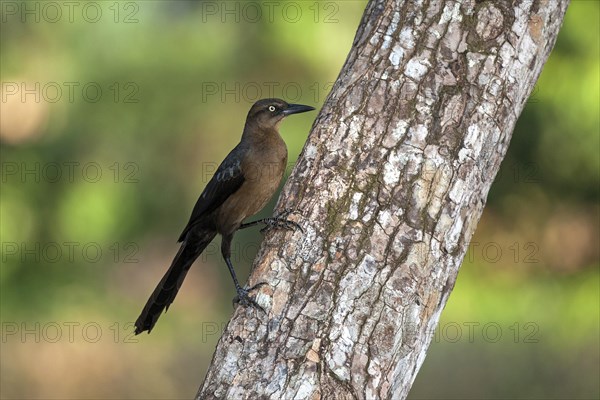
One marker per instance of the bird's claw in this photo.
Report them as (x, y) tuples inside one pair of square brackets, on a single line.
[(280, 221), (243, 297)]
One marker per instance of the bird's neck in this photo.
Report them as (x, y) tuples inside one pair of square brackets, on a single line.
[(254, 133)]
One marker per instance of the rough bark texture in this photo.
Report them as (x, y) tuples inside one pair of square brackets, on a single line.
[(390, 186)]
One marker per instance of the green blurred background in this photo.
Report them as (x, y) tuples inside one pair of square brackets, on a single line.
[(114, 116)]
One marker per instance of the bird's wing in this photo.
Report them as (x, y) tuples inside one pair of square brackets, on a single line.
[(227, 180)]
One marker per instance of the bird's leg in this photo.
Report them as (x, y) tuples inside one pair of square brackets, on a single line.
[(243, 294), (277, 221)]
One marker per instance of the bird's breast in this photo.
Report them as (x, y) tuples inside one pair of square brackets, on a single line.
[(263, 172)]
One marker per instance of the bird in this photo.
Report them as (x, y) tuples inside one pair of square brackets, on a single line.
[(241, 186)]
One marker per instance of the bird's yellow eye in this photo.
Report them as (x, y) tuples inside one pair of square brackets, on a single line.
[(272, 108)]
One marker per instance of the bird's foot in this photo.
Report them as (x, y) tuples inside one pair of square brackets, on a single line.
[(280, 221), (243, 297)]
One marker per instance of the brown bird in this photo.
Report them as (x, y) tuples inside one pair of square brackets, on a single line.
[(242, 185)]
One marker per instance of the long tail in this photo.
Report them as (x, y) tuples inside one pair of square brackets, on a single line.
[(169, 285)]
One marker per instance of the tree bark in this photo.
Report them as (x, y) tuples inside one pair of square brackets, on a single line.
[(390, 186)]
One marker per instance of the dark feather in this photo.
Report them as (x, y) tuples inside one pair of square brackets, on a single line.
[(167, 288), (225, 182)]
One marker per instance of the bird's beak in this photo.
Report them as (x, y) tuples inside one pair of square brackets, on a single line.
[(297, 109)]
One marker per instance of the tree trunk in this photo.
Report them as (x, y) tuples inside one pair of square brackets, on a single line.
[(390, 186)]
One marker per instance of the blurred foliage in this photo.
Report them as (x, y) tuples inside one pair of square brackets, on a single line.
[(96, 188)]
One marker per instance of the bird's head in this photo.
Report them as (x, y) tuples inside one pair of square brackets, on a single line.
[(268, 113)]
